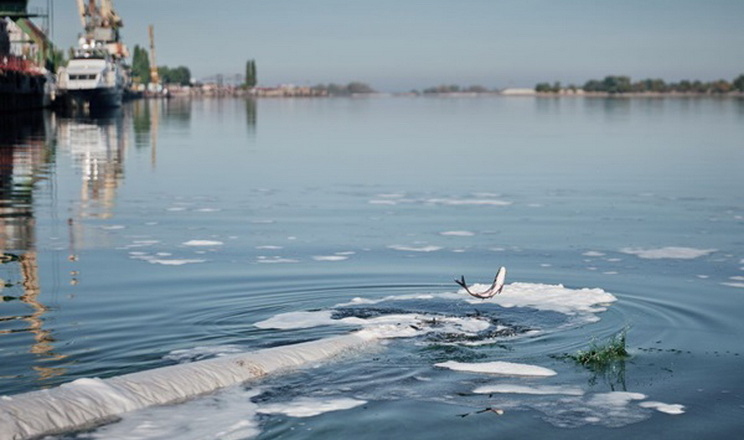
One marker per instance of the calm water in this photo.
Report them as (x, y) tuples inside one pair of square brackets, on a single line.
[(166, 231)]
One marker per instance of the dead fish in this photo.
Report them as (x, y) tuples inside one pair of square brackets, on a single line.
[(495, 289)]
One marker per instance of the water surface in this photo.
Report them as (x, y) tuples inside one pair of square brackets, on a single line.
[(169, 231)]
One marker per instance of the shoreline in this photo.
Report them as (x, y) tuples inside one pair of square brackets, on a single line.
[(587, 95)]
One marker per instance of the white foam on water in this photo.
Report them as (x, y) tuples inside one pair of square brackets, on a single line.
[(269, 247), (391, 195), (202, 243), (614, 398), (403, 325), (275, 260), (475, 202), (311, 406), (457, 233), (84, 402), (400, 247), (228, 415), (612, 409), (548, 297), (583, 303), (330, 257), (737, 285), (415, 324), (668, 408), (382, 202), (297, 320), (175, 262), (499, 368), (113, 227), (369, 301), (671, 252), (533, 390), (593, 254)]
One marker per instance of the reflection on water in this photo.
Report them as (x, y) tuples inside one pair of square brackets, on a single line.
[(26, 154), (251, 113), (97, 146)]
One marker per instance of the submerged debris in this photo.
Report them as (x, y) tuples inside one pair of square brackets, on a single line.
[(497, 411)]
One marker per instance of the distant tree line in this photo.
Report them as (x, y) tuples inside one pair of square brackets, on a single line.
[(351, 88), (141, 70), (453, 88), (623, 84)]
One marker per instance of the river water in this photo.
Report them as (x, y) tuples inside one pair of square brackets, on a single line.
[(175, 231)]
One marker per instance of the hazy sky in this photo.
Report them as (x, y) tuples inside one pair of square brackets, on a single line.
[(403, 44)]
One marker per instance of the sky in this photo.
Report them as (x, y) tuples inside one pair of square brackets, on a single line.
[(399, 45)]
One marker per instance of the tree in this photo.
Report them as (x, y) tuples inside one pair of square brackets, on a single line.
[(616, 84), (140, 65), (359, 87), (739, 83), (250, 74), (593, 86), (180, 75), (720, 86), (543, 87)]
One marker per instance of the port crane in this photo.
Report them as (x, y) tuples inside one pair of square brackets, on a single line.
[(102, 24), (154, 76)]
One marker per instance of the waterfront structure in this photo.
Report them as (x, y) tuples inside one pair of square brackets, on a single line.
[(26, 78)]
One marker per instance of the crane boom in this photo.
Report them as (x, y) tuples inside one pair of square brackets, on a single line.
[(82, 12), (154, 77)]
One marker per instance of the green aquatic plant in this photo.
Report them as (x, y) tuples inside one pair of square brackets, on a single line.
[(606, 360), (600, 356)]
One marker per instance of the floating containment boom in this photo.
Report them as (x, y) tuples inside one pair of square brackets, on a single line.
[(85, 403)]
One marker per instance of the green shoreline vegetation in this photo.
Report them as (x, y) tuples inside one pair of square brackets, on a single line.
[(611, 85), (615, 85)]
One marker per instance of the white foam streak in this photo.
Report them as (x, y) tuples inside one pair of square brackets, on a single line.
[(203, 243), (476, 202), (297, 320), (672, 252), (223, 416), (524, 389), (330, 257), (404, 325), (614, 399), (310, 407), (499, 368), (549, 297), (400, 247), (668, 408), (457, 233)]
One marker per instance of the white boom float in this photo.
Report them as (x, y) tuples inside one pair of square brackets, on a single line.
[(85, 403)]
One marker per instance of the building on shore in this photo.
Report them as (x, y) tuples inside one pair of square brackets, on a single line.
[(26, 67)]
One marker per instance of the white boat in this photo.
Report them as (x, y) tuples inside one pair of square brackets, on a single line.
[(96, 76), (93, 77)]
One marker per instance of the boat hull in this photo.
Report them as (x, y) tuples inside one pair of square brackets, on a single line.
[(97, 98), (23, 91)]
